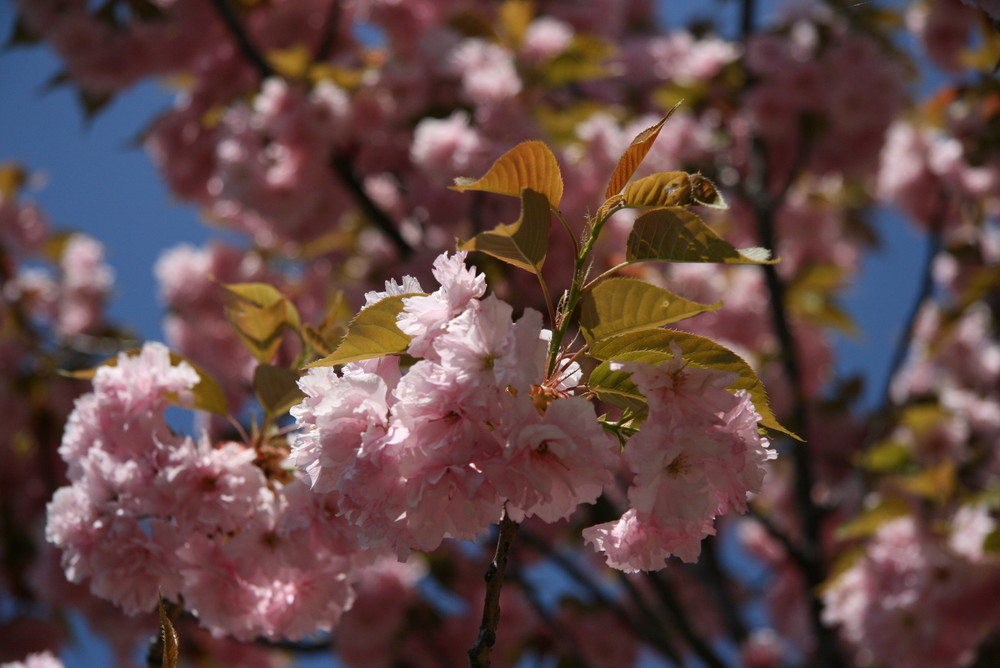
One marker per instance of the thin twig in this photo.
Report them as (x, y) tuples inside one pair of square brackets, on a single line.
[(246, 47), (559, 630), (717, 582), (479, 654), (649, 625), (653, 627), (343, 167), (699, 646), (329, 32)]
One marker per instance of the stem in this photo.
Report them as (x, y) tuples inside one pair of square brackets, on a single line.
[(243, 43), (569, 230), (479, 654), (575, 290)]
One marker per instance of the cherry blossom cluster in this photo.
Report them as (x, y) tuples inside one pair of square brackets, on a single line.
[(149, 511), (442, 450), (697, 456)]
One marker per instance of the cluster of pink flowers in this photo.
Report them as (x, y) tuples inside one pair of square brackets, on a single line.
[(150, 511), (914, 599), (697, 456), (813, 94), (442, 450)]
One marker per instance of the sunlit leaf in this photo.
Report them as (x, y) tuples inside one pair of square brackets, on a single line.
[(674, 234), (621, 305), (634, 155), (587, 58), (260, 314), (659, 190), (936, 483), (869, 520), (615, 387), (208, 394), (168, 636), (523, 243), (697, 350), (530, 165), (12, 178), (276, 388), (885, 456), (515, 17), (291, 63), (372, 333)]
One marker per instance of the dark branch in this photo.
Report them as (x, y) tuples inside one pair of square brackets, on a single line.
[(246, 47), (699, 646), (647, 628), (344, 169), (479, 654), (330, 27)]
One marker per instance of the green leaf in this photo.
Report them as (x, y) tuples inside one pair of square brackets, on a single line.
[(677, 235), (260, 313), (697, 350), (621, 305), (169, 639), (372, 333), (634, 155), (885, 457), (616, 388), (530, 164), (869, 520), (208, 395), (523, 243), (277, 388)]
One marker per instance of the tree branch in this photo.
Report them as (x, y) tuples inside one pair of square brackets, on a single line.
[(329, 32), (343, 167), (243, 43), (479, 654)]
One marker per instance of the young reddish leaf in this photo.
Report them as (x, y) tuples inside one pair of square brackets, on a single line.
[(372, 333), (696, 350), (705, 193), (530, 164), (208, 394), (621, 305), (634, 155), (523, 243), (169, 639), (276, 388), (677, 235)]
